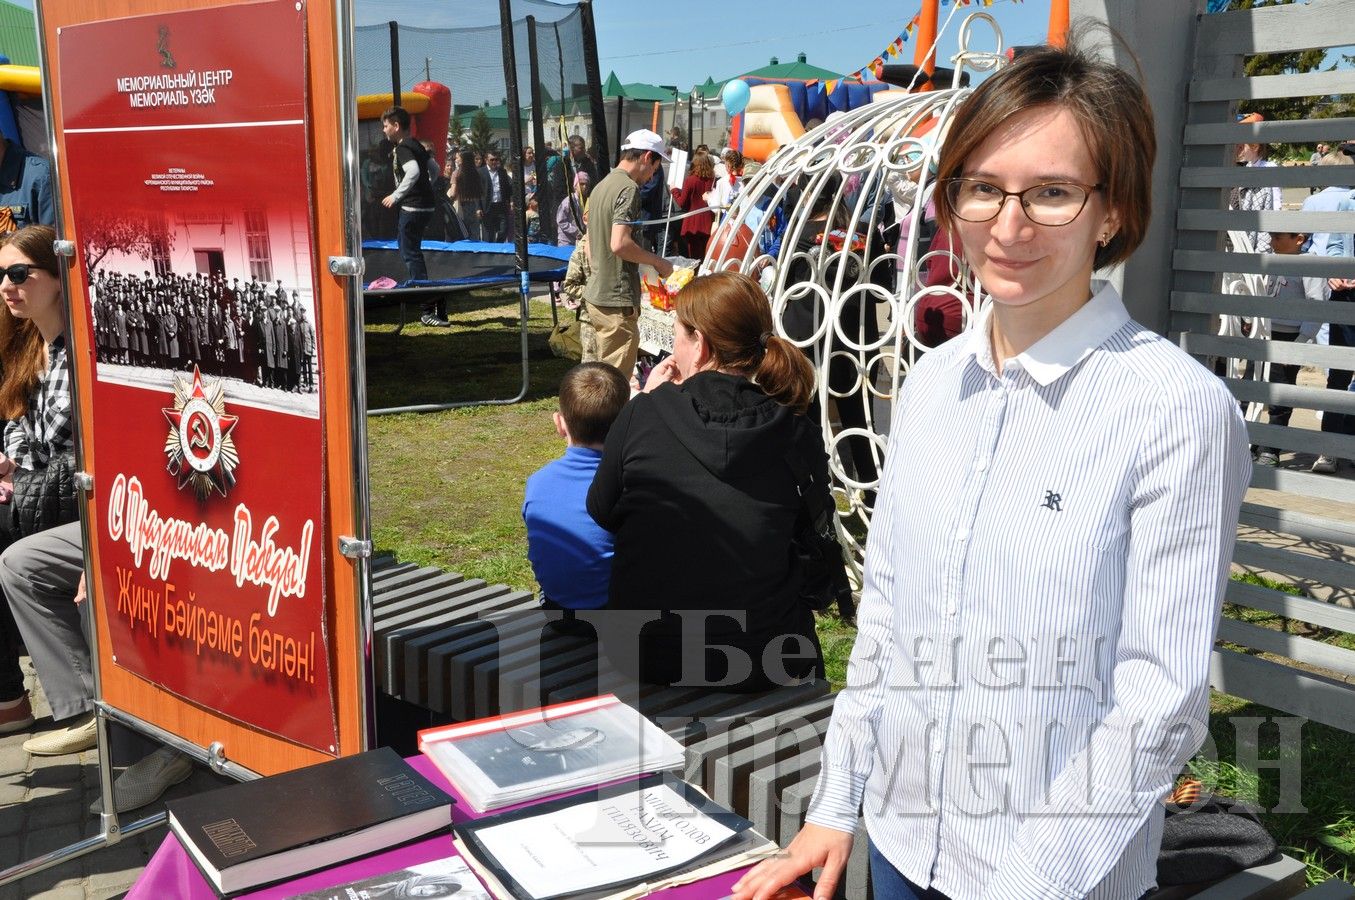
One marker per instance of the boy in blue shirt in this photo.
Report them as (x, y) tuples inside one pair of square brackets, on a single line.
[(571, 554)]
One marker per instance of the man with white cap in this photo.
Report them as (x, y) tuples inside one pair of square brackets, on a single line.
[(612, 293)]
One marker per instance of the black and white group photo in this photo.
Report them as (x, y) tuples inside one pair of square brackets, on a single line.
[(206, 291), (257, 333)]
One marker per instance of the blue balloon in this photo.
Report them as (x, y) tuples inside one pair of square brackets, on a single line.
[(735, 96)]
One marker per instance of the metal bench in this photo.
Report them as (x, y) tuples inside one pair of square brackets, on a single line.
[(464, 650)]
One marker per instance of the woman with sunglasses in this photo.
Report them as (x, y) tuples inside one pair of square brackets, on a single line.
[(35, 402), (1048, 556)]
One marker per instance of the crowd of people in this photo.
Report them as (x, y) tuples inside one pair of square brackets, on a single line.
[(254, 332), (1286, 328)]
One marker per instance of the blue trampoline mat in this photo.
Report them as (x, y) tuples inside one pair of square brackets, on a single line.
[(464, 264)]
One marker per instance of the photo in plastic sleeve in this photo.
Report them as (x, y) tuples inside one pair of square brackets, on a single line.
[(551, 748), (449, 877)]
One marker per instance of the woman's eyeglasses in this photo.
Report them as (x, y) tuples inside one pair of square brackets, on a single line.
[(17, 273), (1053, 203)]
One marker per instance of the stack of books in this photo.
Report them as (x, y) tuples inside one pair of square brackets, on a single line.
[(525, 756), (276, 828)]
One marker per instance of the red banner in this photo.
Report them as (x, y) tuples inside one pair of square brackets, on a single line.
[(186, 154)]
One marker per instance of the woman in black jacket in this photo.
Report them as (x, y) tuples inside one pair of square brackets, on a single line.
[(697, 485)]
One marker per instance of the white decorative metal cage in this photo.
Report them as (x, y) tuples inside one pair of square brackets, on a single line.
[(810, 224)]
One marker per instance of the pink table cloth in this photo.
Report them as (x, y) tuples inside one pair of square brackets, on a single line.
[(171, 873)]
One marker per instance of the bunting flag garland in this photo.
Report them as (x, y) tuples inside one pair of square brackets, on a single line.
[(895, 47)]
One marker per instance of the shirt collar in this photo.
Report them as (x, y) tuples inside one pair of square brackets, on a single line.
[(583, 452), (1068, 344)]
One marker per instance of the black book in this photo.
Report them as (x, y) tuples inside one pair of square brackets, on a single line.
[(275, 828)]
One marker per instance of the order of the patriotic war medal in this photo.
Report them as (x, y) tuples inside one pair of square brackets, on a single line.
[(199, 445)]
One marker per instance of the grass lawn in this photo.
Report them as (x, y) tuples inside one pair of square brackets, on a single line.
[(447, 491)]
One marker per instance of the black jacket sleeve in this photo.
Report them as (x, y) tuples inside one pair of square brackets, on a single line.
[(604, 496), (809, 444)]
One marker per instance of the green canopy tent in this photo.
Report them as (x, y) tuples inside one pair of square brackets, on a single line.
[(799, 70)]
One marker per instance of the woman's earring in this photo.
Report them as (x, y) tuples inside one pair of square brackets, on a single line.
[(1105, 239)]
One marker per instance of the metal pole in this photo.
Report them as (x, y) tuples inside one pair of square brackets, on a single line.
[(510, 77), (620, 111), (565, 159), (691, 138), (923, 58), (590, 65), (1058, 23), (395, 62), (357, 366), (539, 139)]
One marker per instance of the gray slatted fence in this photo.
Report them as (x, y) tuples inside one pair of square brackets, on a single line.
[(1296, 527)]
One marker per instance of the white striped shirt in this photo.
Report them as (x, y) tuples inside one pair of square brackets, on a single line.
[(1042, 586)]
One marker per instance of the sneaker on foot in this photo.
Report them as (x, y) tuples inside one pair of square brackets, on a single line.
[(433, 321), (1268, 458), (79, 736), (1324, 465), (143, 782), (16, 717)]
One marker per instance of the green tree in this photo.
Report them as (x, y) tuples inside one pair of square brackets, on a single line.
[(455, 130), (481, 136), (1287, 108), (144, 235)]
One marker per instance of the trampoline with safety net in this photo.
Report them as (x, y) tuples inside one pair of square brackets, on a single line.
[(444, 63)]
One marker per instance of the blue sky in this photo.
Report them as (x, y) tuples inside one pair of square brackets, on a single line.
[(681, 43)]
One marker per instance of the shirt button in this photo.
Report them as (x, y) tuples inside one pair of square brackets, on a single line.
[(981, 465), (962, 534)]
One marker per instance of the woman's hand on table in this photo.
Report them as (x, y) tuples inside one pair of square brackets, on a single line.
[(663, 373), (814, 847)]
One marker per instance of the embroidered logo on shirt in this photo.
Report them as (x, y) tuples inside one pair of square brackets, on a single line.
[(1053, 501)]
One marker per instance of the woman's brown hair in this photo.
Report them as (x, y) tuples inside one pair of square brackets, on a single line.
[(23, 353), (735, 317), (468, 185), (1111, 110), (703, 166)]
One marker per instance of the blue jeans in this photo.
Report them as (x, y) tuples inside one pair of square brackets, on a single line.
[(411, 227), (887, 883)]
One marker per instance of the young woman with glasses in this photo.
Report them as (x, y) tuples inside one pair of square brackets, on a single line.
[(1048, 556)]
